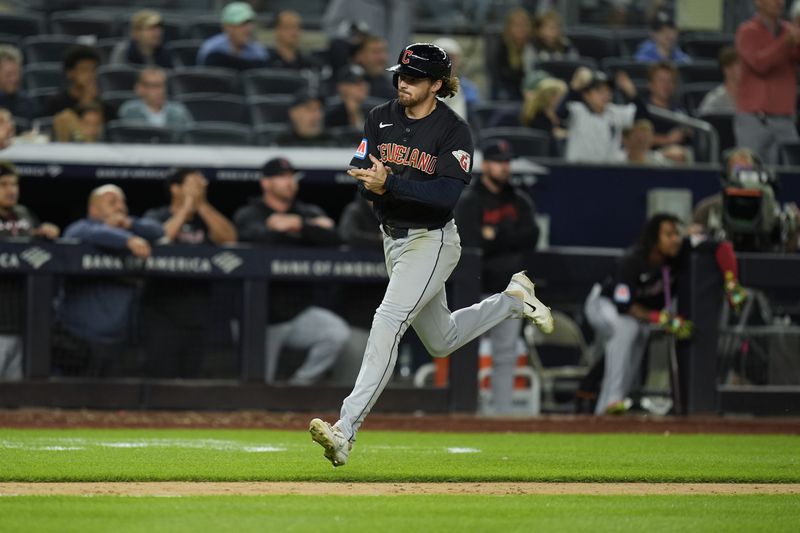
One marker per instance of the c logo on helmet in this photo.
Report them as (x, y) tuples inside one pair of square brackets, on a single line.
[(406, 55)]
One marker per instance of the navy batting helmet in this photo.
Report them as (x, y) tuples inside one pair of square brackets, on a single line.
[(422, 60)]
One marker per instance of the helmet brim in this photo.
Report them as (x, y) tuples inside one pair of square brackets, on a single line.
[(408, 70)]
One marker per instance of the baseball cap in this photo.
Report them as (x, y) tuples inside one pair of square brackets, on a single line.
[(662, 19), (277, 166), (352, 74), (498, 150), (598, 78), (304, 96), (146, 18), (237, 13)]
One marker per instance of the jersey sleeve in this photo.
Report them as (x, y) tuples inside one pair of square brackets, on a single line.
[(368, 144), (455, 156), (625, 280)]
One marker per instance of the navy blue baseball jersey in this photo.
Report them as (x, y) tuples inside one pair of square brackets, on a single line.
[(436, 146)]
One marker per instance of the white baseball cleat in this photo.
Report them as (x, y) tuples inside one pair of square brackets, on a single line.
[(521, 287), (337, 447)]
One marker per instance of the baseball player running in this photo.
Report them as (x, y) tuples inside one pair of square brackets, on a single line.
[(413, 163)]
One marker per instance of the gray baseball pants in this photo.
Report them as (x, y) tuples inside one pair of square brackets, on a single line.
[(624, 339), (10, 357), (418, 266)]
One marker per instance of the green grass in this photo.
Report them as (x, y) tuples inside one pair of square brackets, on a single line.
[(239, 455), (401, 513)]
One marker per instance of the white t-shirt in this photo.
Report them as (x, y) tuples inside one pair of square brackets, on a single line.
[(597, 137)]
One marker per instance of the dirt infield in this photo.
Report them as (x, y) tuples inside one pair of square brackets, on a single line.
[(385, 489), (60, 418)]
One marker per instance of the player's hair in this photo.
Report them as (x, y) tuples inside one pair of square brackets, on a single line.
[(662, 65), (7, 168), (449, 87), (76, 54), (652, 228)]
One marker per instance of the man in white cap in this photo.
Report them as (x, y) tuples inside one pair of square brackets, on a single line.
[(235, 47)]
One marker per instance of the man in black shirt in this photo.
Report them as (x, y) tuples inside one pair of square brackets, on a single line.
[(176, 312), (306, 117), (278, 218), (16, 221), (625, 308), (413, 162), (499, 218), (286, 53), (353, 89), (12, 97)]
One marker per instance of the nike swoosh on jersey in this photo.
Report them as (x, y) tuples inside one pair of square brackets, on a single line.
[(382, 125)]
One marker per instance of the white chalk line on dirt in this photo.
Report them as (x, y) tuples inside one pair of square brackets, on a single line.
[(171, 488)]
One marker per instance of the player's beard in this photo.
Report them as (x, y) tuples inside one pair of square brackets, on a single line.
[(407, 100)]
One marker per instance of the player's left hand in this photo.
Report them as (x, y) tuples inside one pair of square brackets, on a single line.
[(374, 179)]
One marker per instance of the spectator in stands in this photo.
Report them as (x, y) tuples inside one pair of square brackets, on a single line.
[(595, 123), (12, 97), (540, 109), (639, 298), (637, 142), (371, 54), (353, 89), (152, 106), (499, 218), (662, 83), (722, 99), (145, 46), (514, 55), (467, 96), (306, 117), (391, 20), (549, 41), (358, 225), (80, 67), (286, 53), (278, 218), (235, 47), (176, 312), (8, 129), (100, 311), (766, 101), (663, 43), (16, 221), (82, 125)]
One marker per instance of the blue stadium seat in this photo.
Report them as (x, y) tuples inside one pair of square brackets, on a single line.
[(117, 77), (47, 48), (99, 24), (120, 131), (270, 109), (203, 80), (265, 81)]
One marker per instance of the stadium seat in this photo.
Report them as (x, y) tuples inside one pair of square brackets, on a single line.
[(120, 131), (723, 123), (790, 154), (105, 47), (266, 134), (203, 80), (217, 133), (43, 75), (21, 24), (629, 40), (219, 108), (258, 82), (13, 40), (525, 142), (100, 25), (117, 78), (635, 69), (116, 98), (497, 114), (593, 42), (46, 48), (346, 136), (270, 109), (184, 52), (42, 95), (204, 26), (173, 27), (22, 124), (706, 45), (691, 94), (703, 70), (565, 68)]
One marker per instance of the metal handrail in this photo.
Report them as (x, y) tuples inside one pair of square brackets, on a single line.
[(691, 122)]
